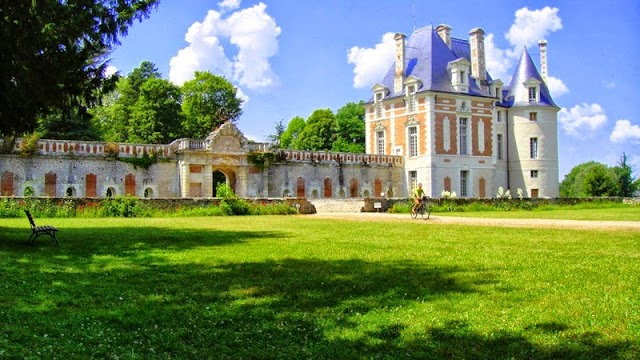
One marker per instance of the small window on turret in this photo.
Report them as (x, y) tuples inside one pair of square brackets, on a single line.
[(533, 116), (533, 94)]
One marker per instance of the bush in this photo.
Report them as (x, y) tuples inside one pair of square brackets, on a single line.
[(29, 144), (121, 206)]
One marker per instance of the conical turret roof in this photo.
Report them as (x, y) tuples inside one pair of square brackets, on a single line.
[(526, 72)]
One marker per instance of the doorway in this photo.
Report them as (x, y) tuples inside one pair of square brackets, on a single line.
[(218, 178)]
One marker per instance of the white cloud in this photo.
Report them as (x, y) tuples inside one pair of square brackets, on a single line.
[(110, 70), (624, 131), (556, 86), (229, 4), (531, 26), (242, 96), (371, 64), (582, 120), (255, 36), (499, 64)]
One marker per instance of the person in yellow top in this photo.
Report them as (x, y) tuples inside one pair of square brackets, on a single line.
[(418, 193)]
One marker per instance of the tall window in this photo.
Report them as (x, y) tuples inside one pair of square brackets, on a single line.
[(499, 116), (533, 94), (380, 140), (533, 148), (379, 105), (464, 182), (413, 180), (499, 145), (411, 93), (413, 141), (533, 116), (463, 136)]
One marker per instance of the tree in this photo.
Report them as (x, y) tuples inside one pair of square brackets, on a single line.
[(70, 124), (156, 115), (350, 135), (290, 136), (274, 139), (600, 181), (53, 55), (624, 172), (208, 101), (572, 184), (319, 131)]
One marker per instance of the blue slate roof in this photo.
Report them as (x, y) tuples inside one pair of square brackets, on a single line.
[(426, 58), (527, 70)]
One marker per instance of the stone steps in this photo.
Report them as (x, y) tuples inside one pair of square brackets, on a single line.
[(338, 206)]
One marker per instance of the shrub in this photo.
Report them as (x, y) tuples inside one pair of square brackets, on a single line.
[(121, 206), (29, 144)]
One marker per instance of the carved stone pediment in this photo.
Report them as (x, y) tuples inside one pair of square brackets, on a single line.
[(227, 139)]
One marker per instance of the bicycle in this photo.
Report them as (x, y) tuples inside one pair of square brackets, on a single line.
[(423, 209)]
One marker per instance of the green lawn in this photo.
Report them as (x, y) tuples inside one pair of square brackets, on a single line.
[(622, 213), (301, 287)]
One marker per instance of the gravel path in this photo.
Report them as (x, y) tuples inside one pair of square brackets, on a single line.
[(547, 223)]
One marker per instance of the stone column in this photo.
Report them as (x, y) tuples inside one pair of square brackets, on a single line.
[(185, 179), (207, 179)]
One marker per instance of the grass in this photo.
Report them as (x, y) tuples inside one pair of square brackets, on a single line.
[(302, 287), (621, 213)]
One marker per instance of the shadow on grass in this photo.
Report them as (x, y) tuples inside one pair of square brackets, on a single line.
[(60, 302)]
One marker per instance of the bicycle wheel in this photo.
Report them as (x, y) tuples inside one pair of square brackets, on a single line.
[(427, 210), (414, 214)]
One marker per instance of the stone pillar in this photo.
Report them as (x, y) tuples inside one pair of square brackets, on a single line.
[(444, 31), (185, 179), (207, 179)]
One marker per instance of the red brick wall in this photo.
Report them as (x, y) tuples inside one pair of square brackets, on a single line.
[(328, 190), (50, 180), (91, 185), (300, 192), (7, 184), (130, 184)]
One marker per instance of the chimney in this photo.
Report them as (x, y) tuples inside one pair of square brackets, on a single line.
[(478, 67), (542, 44), (445, 33), (398, 83)]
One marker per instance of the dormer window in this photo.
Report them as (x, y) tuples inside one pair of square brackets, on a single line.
[(496, 89), (459, 70), (379, 92), (412, 84), (533, 94), (533, 90)]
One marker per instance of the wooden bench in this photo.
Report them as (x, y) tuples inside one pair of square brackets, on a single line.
[(40, 230)]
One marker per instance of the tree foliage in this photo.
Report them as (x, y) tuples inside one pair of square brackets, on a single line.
[(53, 55), (208, 101), (342, 132), (596, 179), (156, 115), (319, 131)]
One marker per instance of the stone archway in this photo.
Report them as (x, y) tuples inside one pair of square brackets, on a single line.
[(223, 176)]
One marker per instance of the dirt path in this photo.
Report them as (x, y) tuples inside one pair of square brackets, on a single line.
[(547, 223)]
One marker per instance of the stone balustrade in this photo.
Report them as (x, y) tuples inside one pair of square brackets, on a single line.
[(343, 158), (96, 148)]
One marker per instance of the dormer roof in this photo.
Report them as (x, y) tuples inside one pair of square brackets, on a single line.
[(525, 75)]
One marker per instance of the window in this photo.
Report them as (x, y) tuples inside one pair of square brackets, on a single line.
[(499, 145), (464, 181), (463, 136), (411, 93), (534, 174), (533, 116), (413, 180), (533, 148), (533, 96), (462, 77), (379, 112), (499, 116), (380, 138), (534, 193), (413, 141)]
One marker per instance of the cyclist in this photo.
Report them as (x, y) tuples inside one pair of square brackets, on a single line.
[(418, 194)]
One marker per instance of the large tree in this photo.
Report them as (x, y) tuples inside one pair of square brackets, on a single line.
[(207, 102), (53, 55), (319, 131), (624, 171), (350, 129), (156, 115), (590, 179), (290, 135)]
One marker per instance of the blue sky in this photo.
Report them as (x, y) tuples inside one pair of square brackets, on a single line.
[(291, 57)]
